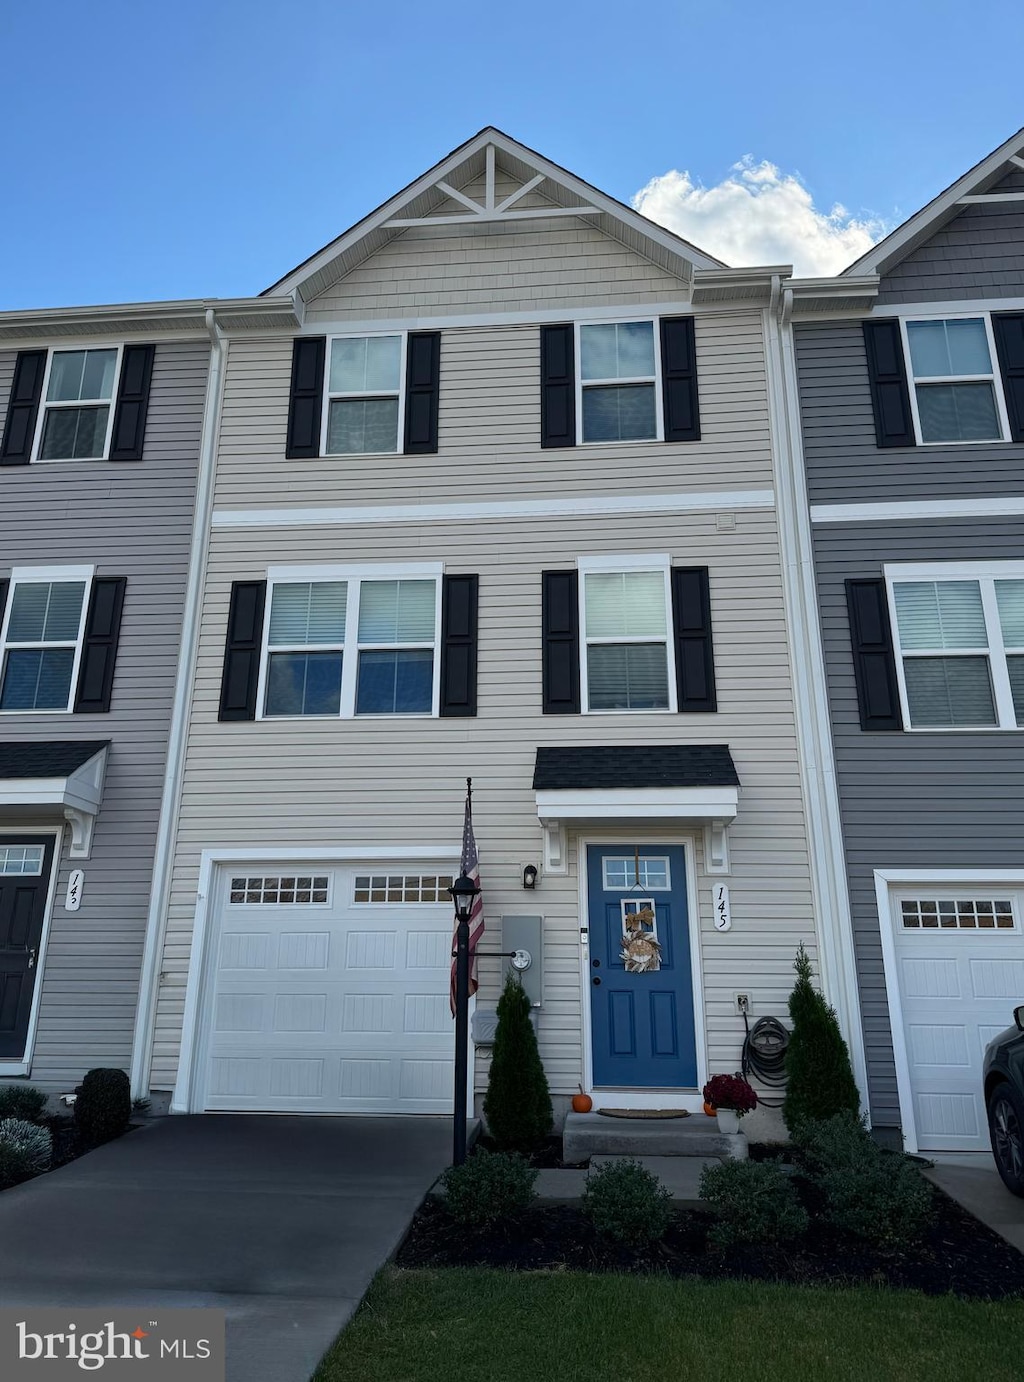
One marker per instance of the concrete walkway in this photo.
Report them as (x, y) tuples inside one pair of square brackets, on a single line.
[(972, 1180), (281, 1222)]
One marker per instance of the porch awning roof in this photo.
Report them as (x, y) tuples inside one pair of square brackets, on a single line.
[(693, 783), (56, 775)]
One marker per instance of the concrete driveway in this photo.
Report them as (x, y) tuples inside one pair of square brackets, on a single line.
[(279, 1221), (972, 1180)]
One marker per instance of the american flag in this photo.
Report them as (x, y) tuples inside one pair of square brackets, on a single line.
[(471, 868)]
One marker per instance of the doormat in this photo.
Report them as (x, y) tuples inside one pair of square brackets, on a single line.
[(644, 1112)]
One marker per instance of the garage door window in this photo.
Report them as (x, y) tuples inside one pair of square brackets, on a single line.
[(379, 887), (278, 889), (957, 914)]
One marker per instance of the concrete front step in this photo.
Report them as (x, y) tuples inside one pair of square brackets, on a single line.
[(586, 1135)]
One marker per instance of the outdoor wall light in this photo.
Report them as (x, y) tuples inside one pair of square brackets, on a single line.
[(530, 876)]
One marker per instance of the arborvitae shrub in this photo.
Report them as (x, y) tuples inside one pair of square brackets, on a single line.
[(627, 1203), (819, 1076), (22, 1101), (756, 1202), (517, 1105), (103, 1108), (490, 1188)]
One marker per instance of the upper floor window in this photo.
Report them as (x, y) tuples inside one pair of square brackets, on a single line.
[(626, 646), (956, 394), (365, 404), (78, 405), (960, 644), (42, 639), (351, 643), (618, 380)]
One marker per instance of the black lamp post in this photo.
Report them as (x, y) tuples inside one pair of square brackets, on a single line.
[(464, 893)]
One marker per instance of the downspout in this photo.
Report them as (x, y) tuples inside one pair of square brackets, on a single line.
[(833, 918), (156, 921)]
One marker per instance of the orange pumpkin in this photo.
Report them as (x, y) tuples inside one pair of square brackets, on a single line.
[(709, 1109), (582, 1103)]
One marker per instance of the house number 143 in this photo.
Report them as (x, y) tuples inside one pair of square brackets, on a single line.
[(723, 917)]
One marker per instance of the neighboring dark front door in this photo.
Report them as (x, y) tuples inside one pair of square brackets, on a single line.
[(642, 1023), (24, 878)]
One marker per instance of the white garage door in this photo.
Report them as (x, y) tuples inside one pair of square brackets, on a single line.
[(329, 991), (960, 969)]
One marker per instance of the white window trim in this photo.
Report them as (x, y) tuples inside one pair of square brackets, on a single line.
[(986, 573), (353, 576), (659, 410), (29, 574), (111, 404), (995, 378), (371, 393), (630, 561)]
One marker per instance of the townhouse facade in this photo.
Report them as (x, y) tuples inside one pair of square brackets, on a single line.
[(500, 504), (911, 382)]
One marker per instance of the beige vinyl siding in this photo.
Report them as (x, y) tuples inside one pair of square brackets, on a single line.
[(514, 266), (400, 782), (131, 519), (489, 443)]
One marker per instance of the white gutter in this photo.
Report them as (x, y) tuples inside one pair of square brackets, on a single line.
[(833, 919), (156, 921)]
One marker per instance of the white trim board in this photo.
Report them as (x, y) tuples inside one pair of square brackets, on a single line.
[(648, 1098), (188, 1094), (885, 880), (961, 307), (697, 501), (882, 511)]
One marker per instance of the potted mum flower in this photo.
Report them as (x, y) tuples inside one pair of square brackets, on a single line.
[(731, 1098)]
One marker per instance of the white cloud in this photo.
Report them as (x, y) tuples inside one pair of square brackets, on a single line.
[(759, 215)]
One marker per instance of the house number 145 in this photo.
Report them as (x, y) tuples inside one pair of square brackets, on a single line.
[(723, 917)]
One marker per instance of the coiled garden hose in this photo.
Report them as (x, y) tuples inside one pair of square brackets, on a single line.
[(764, 1054)]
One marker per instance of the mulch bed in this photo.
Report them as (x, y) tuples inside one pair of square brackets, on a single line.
[(958, 1254)]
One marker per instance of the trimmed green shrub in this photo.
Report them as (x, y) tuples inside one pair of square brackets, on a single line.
[(22, 1101), (517, 1105), (489, 1188), (756, 1202), (871, 1193), (627, 1203), (819, 1077), (25, 1151), (103, 1108)]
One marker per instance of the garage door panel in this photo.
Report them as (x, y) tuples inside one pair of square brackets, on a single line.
[(336, 1008)]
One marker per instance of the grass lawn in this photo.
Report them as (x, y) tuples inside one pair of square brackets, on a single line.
[(489, 1326)]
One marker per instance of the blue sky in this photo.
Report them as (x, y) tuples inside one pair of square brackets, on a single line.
[(205, 147)]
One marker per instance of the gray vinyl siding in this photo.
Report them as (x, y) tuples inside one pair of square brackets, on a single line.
[(844, 463), (130, 519), (979, 254), (910, 799)]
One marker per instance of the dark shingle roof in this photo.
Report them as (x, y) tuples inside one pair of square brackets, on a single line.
[(592, 767), (51, 758)]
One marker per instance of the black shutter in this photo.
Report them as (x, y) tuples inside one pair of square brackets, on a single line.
[(890, 398), (99, 648), (4, 587), (20, 427), (132, 403), (560, 632), (1009, 333), (691, 624), (422, 391), (305, 407), (242, 651), (557, 386), (679, 379), (874, 663), (458, 645)]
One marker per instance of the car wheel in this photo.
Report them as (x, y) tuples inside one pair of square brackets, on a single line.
[(1006, 1129)]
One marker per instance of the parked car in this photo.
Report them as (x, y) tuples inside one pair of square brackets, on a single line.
[(1004, 1099)]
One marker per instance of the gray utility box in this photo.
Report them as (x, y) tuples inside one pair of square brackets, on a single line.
[(517, 933)]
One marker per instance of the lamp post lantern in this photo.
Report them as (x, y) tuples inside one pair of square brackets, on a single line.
[(464, 893)]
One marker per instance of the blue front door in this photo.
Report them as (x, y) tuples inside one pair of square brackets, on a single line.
[(641, 1023)]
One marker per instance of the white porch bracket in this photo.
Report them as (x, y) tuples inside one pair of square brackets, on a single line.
[(716, 847), (555, 853), (82, 823)]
